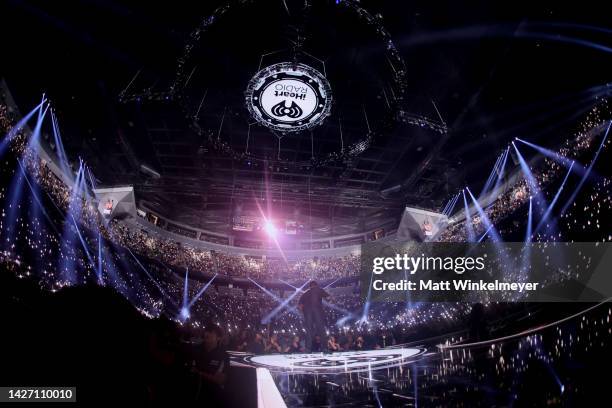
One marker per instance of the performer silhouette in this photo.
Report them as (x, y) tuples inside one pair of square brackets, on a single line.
[(311, 305)]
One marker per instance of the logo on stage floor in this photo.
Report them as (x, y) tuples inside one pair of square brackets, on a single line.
[(289, 97), (349, 361)]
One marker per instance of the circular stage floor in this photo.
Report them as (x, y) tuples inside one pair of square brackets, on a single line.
[(329, 363)]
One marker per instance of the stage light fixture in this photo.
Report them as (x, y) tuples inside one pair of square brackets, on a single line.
[(185, 314), (270, 228)]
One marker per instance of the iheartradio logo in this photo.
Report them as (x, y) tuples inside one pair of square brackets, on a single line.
[(289, 97)]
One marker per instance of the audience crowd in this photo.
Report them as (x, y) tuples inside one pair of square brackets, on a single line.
[(55, 234)]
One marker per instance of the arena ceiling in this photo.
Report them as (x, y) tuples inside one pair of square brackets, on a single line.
[(425, 95)]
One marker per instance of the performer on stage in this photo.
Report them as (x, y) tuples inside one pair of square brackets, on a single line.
[(311, 305)]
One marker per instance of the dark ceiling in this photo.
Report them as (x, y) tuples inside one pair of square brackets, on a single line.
[(495, 70)]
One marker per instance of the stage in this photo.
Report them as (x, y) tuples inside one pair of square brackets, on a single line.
[(303, 379), (530, 367)]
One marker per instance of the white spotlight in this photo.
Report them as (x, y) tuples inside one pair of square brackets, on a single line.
[(270, 228), (185, 314)]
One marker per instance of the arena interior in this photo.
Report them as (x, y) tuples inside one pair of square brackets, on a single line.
[(178, 179)]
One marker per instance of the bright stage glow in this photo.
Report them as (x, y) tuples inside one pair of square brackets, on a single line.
[(343, 362), (270, 229), (185, 314)]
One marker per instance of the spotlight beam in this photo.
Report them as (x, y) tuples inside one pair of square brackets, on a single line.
[(553, 202), (453, 204), (99, 258), (448, 209), (448, 203), (15, 191), (528, 233), (74, 208), (10, 135), (282, 305), (201, 292), (83, 243), (37, 198), (496, 238), (341, 321), (493, 175), (338, 308), (292, 309), (266, 291), (59, 145), (67, 264), (161, 290), (540, 201), (557, 157), (288, 284), (526, 253), (468, 219), (485, 218), (336, 280), (366, 306), (113, 272), (186, 289), (588, 171), (92, 181), (485, 234), (502, 169)]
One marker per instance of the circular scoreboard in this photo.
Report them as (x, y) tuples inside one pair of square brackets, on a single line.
[(289, 97)]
